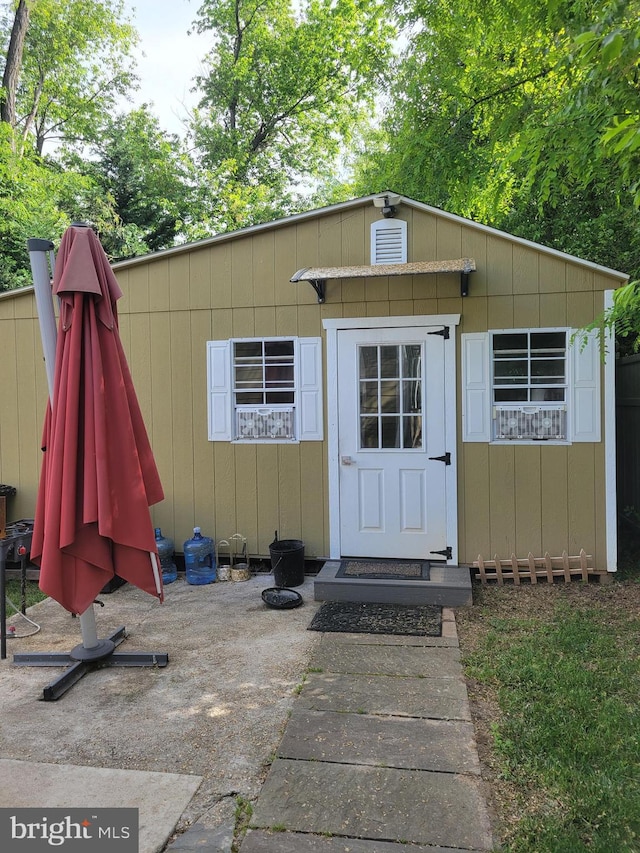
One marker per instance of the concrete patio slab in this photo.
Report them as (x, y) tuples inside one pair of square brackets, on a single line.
[(410, 806), (367, 659), (160, 798), (412, 744), (439, 698)]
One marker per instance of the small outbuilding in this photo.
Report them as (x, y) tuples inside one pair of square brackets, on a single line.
[(378, 378)]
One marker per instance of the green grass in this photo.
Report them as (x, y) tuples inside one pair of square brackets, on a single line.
[(33, 594), (565, 671)]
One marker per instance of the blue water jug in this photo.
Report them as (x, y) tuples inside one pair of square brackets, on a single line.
[(165, 552), (200, 558)]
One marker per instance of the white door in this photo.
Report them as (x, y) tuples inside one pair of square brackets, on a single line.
[(392, 442)]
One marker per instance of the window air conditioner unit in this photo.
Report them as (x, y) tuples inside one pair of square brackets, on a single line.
[(530, 423), (265, 422)]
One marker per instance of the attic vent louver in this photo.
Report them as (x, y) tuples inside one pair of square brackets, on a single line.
[(389, 241)]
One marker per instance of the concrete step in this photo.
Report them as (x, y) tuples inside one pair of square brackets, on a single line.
[(448, 586)]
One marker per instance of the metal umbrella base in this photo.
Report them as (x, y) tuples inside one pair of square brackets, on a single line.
[(80, 660)]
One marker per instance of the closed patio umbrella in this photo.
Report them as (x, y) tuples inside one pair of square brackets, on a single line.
[(98, 477)]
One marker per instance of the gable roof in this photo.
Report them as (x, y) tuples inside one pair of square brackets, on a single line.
[(359, 202)]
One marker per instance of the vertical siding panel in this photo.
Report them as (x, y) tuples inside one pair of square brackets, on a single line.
[(474, 499), (526, 311), (426, 306), (474, 314), (26, 471), (199, 280), (581, 498), (553, 309), (286, 264), (448, 247), (552, 274), (161, 422), (579, 278), (309, 324), (267, 496), (246, 471), (500, 312), (137, 293), (182, 423), (355, 249), (306, 242), (580, 309), (263, 259), (9, 456), (179, 271), (422, 236), (139, 358), (454, 305), (244, 323), (502, 500), (265, 322), (474, 245), (203, 470), (222, 324), (555, 501), (499, 266), (424, 286), (159, 285), (376, 289), (287, 320), (241, 273), (400, 288), (224, 490), (289, 492), (221, 276), (313, 497), (525, 269), (528, 491), (330, 241)]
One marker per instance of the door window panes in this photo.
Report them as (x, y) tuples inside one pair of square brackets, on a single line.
[(390, 396)]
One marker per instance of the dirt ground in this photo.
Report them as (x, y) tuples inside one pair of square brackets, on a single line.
[(217, 710)]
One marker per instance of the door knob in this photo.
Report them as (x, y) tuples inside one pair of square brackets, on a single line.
[(347, 460)]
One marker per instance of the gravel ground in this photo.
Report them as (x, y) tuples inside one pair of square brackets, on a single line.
[(217, 710)]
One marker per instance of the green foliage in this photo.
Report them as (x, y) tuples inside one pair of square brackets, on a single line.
[(568, 692), (283, 91), (76, 62)]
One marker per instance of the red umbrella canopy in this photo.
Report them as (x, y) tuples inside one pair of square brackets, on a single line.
[(98, 476)]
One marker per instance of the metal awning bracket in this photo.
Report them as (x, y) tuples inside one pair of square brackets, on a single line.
[(320, 287)]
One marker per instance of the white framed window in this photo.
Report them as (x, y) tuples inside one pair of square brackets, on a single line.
[(265, 390), (530, 385)]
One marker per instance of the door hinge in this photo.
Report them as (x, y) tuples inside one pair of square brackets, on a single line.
[(446, 552), (444, 331), (446, 458)]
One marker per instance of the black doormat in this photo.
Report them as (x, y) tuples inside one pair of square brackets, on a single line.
[(349, 617), (410, 570)]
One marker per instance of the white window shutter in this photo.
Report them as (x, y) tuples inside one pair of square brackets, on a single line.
[(389, 241), (585, 388), (219, 402), (476, 387), (309, 391)]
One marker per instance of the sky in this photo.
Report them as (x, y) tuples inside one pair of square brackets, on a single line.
[(171, 57)]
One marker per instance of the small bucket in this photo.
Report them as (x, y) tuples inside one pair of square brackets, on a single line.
[(223, 562), (240, 570), (287, 562)]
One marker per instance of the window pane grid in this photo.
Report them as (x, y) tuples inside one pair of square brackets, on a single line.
[(390, 396), (263, 372), (529, 367)]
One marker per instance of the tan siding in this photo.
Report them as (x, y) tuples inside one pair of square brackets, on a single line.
[(528, 500), (502, 500), (511, 498)]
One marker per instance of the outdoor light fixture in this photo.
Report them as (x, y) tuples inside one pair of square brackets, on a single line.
[(388, 204)]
